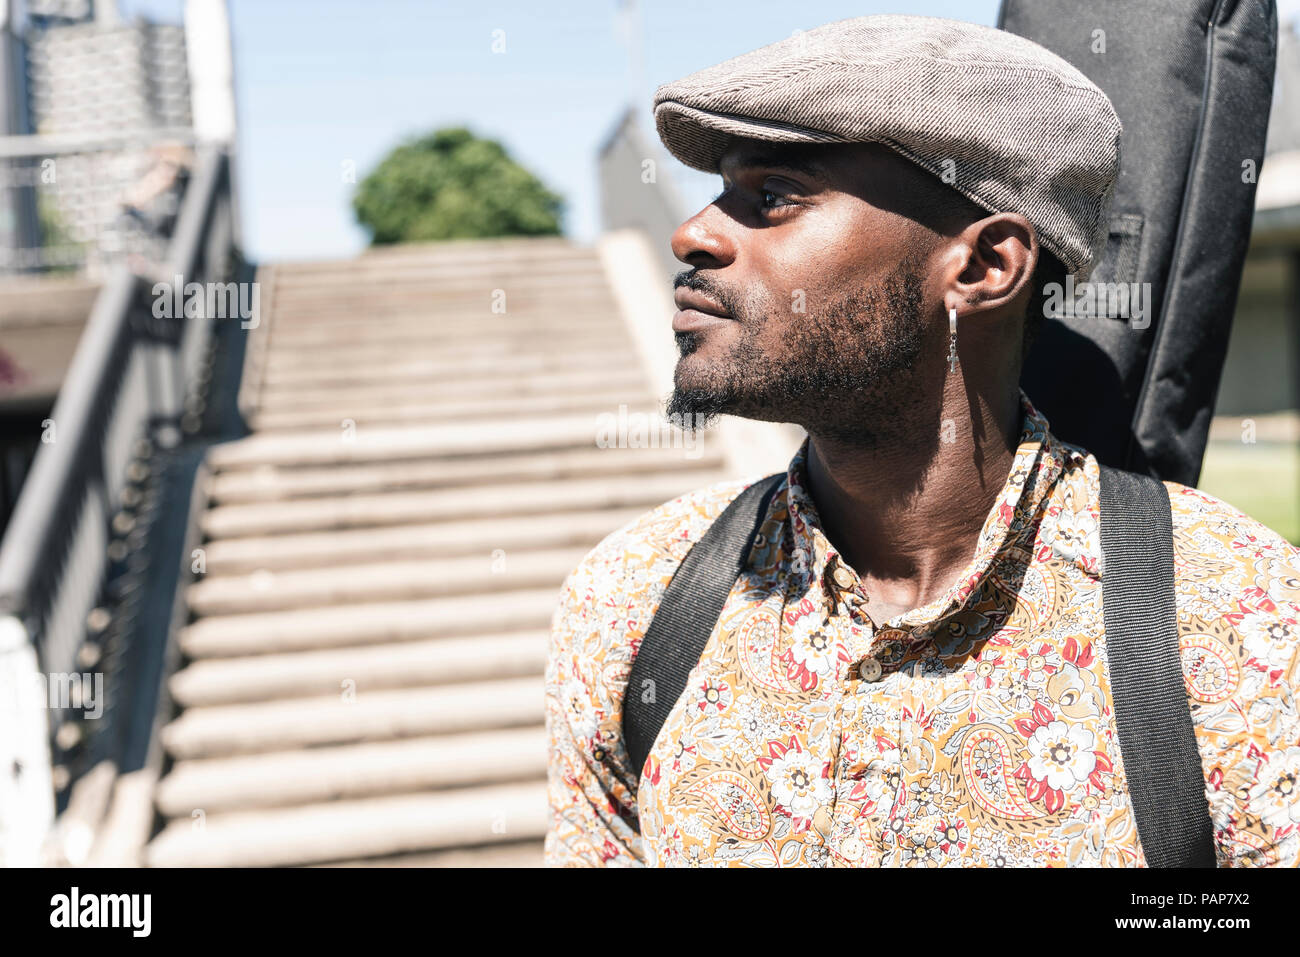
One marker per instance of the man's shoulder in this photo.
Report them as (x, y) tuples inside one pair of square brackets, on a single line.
[(1210, 530), (1237, 585), (1236, 577)]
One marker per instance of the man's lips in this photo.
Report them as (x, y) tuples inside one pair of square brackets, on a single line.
[(696, 311)]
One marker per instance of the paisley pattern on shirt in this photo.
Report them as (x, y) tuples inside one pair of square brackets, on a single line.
[(974, 731)]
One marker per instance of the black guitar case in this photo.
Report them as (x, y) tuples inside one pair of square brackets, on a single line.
[(1192, 81)]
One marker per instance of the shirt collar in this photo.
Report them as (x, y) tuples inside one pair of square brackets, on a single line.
[(1034, 471)]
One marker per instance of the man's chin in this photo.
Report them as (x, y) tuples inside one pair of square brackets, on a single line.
[(705, 389), (694, 408)]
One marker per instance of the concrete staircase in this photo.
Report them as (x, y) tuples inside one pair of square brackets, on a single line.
[(362, 671)]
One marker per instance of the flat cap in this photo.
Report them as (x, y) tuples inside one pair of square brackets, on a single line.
[(1001, 119)]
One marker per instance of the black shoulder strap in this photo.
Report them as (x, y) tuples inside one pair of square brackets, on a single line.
[(1166, 779), (1165, 776), (686, 616)]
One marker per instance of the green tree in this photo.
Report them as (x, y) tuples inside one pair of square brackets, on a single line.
[(451, 184)]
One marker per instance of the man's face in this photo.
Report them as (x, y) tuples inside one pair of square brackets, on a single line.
[(808, 299)]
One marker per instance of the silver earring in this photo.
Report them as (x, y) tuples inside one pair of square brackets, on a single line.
[(952, 340)]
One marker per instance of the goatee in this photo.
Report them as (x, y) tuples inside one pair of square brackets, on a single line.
[(845, 369)]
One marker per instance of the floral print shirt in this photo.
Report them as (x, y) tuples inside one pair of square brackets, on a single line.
[(977, 730)]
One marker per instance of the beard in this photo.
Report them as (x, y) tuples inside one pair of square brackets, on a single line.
[(846, 371)]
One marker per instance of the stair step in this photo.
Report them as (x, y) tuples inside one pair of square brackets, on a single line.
[(230, 636), (303, 674), (371, 827), (388, 414), (452, 320), (397, 327), (523, 388), (477, 439), (443, 273), (462, 252), (440, 276), (495, 291), (377, 265), (353, 771), (423, 251), (401, 508), (488, 298), (369, 716), (520, 854), (388, 370), (558, 278), (488, 574), (267, 483), (374, 268), (281, 553), (508, 343)]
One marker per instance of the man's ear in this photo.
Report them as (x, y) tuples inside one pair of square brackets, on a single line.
[(992, 263)]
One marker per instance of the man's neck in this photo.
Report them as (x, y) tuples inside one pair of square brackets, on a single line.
[(906, 514)]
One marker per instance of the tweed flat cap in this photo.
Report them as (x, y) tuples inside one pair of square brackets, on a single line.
[(1014, 127)]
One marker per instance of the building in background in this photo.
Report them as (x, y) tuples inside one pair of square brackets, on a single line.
[(86, 75)]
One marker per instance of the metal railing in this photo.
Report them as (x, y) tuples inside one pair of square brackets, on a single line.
[(132, 387)]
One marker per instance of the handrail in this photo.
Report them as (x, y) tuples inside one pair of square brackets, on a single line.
[(194, 216), (25, 548)]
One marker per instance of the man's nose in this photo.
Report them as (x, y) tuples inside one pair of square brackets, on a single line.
[(703, 240)]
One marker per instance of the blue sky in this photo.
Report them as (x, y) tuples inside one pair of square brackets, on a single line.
[(324, 82)]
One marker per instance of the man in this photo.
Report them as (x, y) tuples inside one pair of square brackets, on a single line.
[(912, 669)]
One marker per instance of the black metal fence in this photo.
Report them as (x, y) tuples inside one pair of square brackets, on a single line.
[(135, 386)]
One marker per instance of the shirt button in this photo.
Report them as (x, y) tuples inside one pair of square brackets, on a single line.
[(843, 577), (869, 669)]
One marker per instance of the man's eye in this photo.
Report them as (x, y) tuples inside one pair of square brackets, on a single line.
[(767, 198), (765, 193)]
